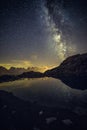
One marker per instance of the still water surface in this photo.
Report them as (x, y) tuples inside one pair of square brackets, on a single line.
[(48, 91)]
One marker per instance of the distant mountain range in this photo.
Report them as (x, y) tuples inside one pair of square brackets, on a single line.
[(73, 66), (72, 71), (17, 71)]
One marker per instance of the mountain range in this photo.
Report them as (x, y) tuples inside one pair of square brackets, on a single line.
[(72, 71), (17, 71)]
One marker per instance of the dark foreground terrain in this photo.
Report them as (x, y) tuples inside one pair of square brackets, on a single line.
[(16, 114)]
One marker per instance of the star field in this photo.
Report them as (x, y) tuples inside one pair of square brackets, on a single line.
[(41, 32)]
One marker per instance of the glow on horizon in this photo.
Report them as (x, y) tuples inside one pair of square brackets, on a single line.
[(26, 65)]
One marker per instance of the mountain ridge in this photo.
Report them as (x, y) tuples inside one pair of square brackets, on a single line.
[(72, 71), (17, 71), (75, 65)]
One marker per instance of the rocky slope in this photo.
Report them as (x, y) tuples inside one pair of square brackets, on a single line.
[(72, 71), (17, 114), (73, 66)]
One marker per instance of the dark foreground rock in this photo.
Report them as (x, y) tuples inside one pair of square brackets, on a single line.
[(16, 114), (72, 71)]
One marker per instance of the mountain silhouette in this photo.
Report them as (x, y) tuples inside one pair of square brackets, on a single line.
[(3, 70), (17, 71), (72, 71), (73, 66)]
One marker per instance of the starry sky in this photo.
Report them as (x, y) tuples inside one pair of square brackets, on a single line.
[(41, 32)]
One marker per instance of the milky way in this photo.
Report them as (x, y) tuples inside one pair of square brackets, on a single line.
[(41, 32), (60, 42), (70, 18)]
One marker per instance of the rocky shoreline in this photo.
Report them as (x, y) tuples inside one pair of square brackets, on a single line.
[(17, 114)]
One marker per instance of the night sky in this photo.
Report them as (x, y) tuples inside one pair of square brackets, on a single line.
[(41, 32)]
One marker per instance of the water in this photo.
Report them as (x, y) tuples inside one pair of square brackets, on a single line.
[(47, 91)]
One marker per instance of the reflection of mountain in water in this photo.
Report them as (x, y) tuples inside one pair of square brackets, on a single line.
[(70, 109)]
